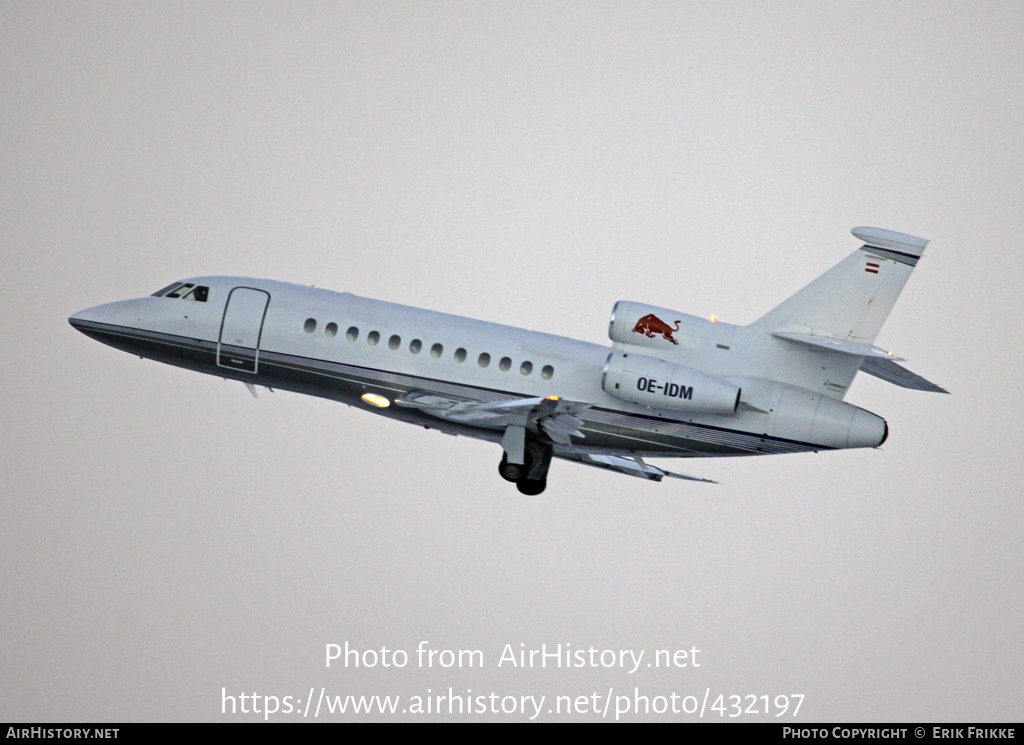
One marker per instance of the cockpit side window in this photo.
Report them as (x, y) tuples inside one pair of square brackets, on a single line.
[(199, 294)]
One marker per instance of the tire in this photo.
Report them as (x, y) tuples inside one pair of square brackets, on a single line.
[(510, 471), (531, 487)]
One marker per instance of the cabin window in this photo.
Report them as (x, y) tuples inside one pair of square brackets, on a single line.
[(460, 355), (310, 325), (352, 334), (547, 371), (526, 368), (395, 342), (505, 364), (372, 338), (415, 346), (331, 329), (483, 360), (436, 351)]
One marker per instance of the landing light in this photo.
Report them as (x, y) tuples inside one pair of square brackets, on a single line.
[(374, 400), (552, 398), (713, 319)]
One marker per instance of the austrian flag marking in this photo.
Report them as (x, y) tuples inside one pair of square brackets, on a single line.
[(871, 267)]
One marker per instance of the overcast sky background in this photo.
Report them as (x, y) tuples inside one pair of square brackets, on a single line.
[(164, 534)]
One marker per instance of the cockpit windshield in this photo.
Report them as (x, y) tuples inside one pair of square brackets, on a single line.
[(164, 291), (185, 290)]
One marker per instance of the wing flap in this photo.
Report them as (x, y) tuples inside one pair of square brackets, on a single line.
[(560, 427), (631, 466)]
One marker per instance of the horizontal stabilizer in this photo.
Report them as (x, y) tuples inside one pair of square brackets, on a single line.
[(856, 348), (629, 466), (890, 372)]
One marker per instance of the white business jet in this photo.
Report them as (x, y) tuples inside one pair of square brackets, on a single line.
[(670, 384)]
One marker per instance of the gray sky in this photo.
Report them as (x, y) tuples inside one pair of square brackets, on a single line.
[(165, 535)]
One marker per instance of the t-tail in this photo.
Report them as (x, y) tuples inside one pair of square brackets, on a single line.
[(843, 310)]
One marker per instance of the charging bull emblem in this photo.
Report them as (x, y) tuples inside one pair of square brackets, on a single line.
[(650, 325)]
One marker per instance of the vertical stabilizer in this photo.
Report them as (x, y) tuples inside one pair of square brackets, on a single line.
[(851, 301)]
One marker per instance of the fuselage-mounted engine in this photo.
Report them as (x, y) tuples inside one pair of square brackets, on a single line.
[(648, 381)]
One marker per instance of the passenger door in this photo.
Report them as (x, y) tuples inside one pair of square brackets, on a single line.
[(239, 345)]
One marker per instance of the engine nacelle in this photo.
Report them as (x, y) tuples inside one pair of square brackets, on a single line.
[(647, 381), (660, 328)]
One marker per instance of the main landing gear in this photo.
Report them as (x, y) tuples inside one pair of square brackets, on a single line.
[(530, 477)]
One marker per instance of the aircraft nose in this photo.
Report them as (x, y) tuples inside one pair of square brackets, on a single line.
[(78, 320), (108, 314)]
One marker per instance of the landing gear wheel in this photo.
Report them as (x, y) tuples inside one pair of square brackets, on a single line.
[(531, 487), (531, 477), (511, 471)]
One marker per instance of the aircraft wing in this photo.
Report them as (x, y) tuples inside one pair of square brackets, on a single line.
[(631, 466), (890, 372), (554, 416)]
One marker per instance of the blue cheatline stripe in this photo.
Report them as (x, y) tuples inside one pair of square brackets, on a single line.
[(749, 441)]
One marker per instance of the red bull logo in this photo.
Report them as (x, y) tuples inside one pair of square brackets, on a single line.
[(650, 325)]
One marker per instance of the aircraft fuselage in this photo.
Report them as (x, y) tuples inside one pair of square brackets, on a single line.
[(343, 347)]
